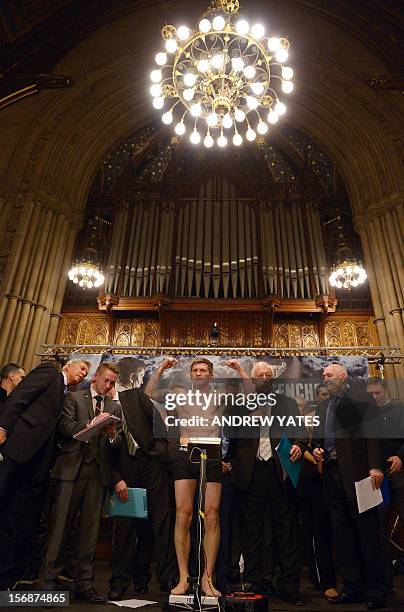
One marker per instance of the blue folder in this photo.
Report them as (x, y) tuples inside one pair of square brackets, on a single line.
[(135, 507), (292, 469)]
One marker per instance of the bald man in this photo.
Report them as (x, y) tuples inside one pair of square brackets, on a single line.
[(346, 442)]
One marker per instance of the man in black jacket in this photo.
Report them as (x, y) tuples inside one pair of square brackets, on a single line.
[(27, 429), (258, 474), (346, 441), (391, 415), (140, 461)]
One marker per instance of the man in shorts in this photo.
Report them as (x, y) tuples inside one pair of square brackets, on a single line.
[(186, 475)]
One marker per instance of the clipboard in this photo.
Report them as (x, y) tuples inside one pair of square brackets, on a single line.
[(98, 424)]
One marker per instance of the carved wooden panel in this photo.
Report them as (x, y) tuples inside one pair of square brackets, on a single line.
[(84, 330), (238, 329), (136, 332), (350, 332), (295, 334)]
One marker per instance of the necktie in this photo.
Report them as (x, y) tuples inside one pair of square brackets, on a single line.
[(98, 404), (132, 444), (65, 390), (264, 450), (329, 435)]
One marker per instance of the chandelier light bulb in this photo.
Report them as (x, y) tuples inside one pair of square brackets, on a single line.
[(222, 141), (208, 141), (156, 90), (203, 65), (257, 88), (239, 115), (212, 120), (188, 94), (250, 134), (272, 116), (189, 79), (195, 137), (338, 284), (262, 128), (158, 103), (237, 64), (217, 60), (287, 87), (249, 72), (281, 55), (287, 73), (205, 25), (355, 283), (257, 31), (196, 110), (280, 108), (252, 103), (237, 139), (183, 33), (156, 76), (171, 45), (167, 118), (274, 44), (242, 27), (75, 280), (218, 23), (161, 58), (180, 129), (227, 121)]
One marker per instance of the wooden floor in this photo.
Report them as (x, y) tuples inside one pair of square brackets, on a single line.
[(314, 600)]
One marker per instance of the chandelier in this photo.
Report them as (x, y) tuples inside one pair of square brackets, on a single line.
[(85, 271), (347, 272), (220, 80), (86, 274)]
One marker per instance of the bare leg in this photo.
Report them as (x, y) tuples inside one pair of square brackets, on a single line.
[(184, 501), (212, 535)]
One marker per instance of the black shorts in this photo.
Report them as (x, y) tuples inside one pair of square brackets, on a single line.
[(183, 469)]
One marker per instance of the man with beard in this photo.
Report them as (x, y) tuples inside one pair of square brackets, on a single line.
[(258, 473)]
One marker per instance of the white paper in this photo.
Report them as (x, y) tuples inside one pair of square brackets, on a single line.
[(98, 424), (132, 603), (366, 496)]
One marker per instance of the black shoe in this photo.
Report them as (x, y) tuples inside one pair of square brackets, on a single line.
[(267, 587), (346, 598), (90, 596), (375, 603), (141, 589), (65, 576), (115, 595), (30, 576), (295, 600)]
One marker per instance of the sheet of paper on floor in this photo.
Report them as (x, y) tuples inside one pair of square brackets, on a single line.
[(132, 603)]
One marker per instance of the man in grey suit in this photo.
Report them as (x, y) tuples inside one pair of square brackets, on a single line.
[(83, 470)]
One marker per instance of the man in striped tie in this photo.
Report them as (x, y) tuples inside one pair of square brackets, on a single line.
[(83, 472)]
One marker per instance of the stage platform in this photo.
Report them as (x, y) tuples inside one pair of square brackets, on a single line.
[(314, 600)]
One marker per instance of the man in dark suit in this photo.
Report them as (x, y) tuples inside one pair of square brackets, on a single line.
[(258, 474), (27, 429), (140, 461), (346, 441), (83, 471)]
